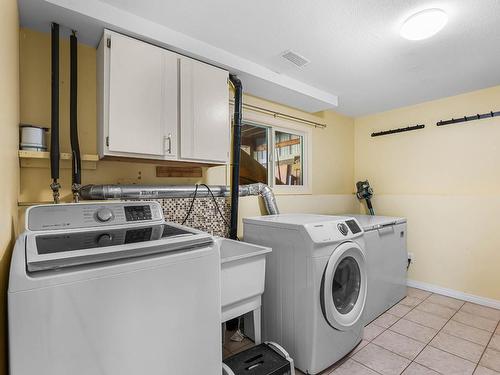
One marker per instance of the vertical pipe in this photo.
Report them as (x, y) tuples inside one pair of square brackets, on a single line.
[(73, 118), (235, 175), (54, 131)]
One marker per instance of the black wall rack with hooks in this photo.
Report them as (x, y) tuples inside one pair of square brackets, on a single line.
[(468, 118), (398, 130)]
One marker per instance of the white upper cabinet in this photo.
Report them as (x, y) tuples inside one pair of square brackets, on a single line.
[(204, 112), (153, 103)]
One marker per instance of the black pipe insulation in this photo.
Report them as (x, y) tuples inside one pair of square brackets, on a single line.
[(73, 117), (235, 175), (54, 131)]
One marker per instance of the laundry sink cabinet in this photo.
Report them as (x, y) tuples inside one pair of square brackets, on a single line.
[(243, 267), (153, 103)]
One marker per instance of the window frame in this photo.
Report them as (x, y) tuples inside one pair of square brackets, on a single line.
[(273, 124)]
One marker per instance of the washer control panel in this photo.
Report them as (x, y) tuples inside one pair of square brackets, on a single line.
[(334, 230), (138, 213), (83, 215)]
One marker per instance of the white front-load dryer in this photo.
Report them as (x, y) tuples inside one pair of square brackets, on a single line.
[(315, 285)]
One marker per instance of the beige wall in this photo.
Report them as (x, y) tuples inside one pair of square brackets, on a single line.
[(9, 119), (445, 171), (445, 180), (332, 154), (332, 167), (35, 109)]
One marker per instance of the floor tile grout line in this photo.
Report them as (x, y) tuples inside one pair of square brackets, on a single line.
[(456, 310), (451, 318), (458, 337), (389, 350), (439, 331), (399, 318), (388, 329), (385, 329), (362, 364), (486, 347), (427, 344), (456, 355)]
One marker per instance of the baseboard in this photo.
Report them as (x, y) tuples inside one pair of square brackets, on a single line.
[(455, 294)]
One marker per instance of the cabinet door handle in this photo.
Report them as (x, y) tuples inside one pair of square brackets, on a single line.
[(169, 140)]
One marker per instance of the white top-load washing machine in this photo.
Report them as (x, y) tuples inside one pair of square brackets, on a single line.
[(111, 289), (386, 262), (315, 285)]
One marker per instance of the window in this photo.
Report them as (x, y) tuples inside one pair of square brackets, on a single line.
[(254, 163), (274, 156), (288, 152)]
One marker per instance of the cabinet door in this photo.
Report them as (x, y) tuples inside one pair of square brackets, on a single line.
[(136, 117), (204, 112), (170, 104)]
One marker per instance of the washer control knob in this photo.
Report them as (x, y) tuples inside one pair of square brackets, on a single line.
[(105, 239), (343, 228), (104, 214)]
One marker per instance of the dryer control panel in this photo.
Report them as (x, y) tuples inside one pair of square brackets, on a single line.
[(85, 215), (331, 231)]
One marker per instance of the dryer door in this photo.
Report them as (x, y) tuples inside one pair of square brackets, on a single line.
[(343, 286)]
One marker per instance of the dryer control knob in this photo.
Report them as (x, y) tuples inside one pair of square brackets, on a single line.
[(104, 215)]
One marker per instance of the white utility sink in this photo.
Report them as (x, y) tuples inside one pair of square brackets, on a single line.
[(243, 268)]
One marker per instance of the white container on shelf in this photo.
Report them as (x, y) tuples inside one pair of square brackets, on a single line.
[(33, 137)]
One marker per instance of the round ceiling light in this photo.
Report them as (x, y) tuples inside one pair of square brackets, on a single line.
[(424, 24)]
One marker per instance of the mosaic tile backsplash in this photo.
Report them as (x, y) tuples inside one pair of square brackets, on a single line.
[(204, 215)]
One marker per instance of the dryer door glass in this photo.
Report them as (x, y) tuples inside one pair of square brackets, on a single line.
[(343, 286), (346, 285)]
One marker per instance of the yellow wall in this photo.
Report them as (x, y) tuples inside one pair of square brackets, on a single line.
[(445, 180), (332, 167), (332, 153), (35, 109), (447, 172), (9, 119)]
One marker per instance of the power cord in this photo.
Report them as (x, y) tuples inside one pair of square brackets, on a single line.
[(216, 204), (191, 206)]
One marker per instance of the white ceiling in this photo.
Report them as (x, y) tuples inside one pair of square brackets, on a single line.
[(354, 46)]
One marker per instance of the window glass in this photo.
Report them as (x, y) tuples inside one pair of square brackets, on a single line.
[(288, 154), (254, 154)]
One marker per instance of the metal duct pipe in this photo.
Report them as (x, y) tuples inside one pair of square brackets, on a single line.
[(90, 192), (265, 192), (100, 192), (235, 176)]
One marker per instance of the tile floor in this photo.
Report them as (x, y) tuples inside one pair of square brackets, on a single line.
[(425, 333)]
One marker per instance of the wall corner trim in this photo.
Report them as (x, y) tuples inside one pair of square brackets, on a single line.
[(454, 294)]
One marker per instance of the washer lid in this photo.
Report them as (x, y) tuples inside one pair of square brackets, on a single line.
[(370, 222), (292, 220), (71, 248)]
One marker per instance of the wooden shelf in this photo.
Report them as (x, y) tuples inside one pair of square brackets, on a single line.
[(40, 159), (23, 154), (29, 204)]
